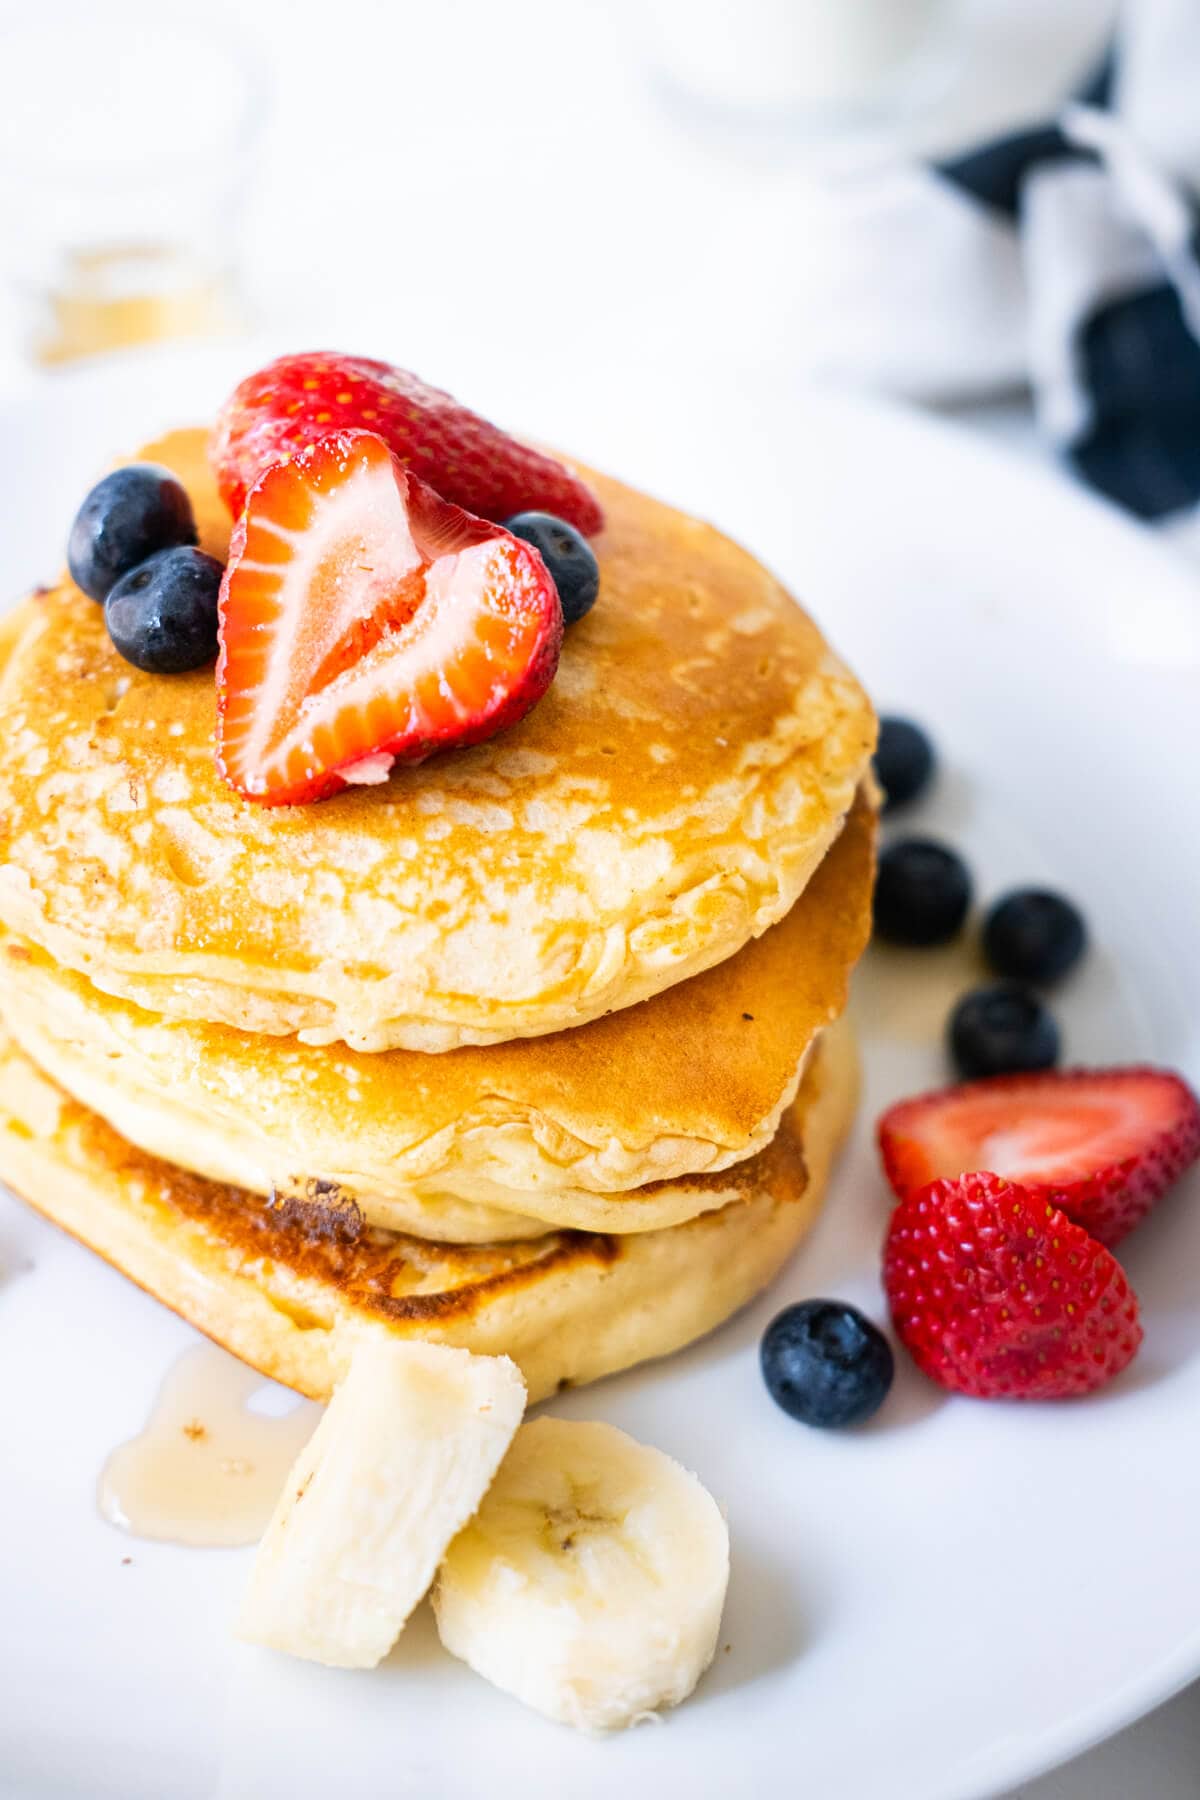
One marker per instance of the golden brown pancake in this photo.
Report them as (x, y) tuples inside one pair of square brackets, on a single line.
[(665, 803), (288, 1290), (591, 1129)]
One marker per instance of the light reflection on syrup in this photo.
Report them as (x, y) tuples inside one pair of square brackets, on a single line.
[(207, 1469)]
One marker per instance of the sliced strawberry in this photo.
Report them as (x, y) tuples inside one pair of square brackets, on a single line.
[(1103, 1144), (997, 1294), (366, 621), (294, 401)]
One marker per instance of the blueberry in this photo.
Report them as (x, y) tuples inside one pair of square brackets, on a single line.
[(568, 556), (903, 761), (825, 1363), (1000, 1030), (127, 517), (1033, 935), (162, 616), (922, 892)]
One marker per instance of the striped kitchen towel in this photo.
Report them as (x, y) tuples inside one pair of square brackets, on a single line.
[(1065, 255)]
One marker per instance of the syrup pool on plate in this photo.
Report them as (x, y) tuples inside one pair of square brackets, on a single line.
[(209, 1464)]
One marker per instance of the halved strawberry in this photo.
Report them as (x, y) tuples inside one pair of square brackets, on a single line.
[(366, 621), (297, 399), (1103, 1145)]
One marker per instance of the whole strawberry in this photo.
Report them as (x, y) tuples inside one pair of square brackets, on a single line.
[(297, 399), (996, 1294)]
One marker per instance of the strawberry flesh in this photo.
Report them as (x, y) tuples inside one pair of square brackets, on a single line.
[(1103, 1145), (365, 621), (294, 401), (997, 1294)]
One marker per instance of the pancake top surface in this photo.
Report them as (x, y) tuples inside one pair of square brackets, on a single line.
[(667, 800)]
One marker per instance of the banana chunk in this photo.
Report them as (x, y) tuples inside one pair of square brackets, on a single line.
[(398, 1464), (591, 1581)]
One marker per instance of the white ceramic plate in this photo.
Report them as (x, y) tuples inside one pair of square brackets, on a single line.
[(933, 1608)]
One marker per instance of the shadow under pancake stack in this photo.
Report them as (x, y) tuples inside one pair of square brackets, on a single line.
[(534, 1048)]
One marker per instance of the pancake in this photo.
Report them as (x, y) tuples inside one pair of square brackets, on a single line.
[(289, 1293), (664, 804), (590, 1129)]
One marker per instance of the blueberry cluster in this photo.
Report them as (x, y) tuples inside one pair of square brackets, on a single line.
[(823, 1361), (1031, 937), (133, 547)]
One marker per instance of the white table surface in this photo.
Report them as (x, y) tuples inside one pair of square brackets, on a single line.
[(657, 242)]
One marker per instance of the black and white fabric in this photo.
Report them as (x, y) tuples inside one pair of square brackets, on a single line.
[(1068, 256)]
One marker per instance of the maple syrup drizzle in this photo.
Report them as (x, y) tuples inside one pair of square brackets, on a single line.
[(207, 1468)]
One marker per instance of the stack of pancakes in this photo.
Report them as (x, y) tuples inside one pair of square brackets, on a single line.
[(532, 1049)]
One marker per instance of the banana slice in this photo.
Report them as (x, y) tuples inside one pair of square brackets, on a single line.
[(591, 1581), (401, 1459)]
